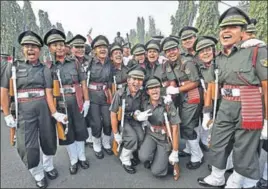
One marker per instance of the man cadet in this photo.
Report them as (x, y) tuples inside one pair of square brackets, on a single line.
[(126, 53), (72, 76), (162, 59), (184, 80), (119, 70), (139, 56), (100, 95), (35, 128), (131, 134), (241, 71), (155, 148), (77, 44)]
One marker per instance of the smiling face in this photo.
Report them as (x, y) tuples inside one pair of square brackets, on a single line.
[(117, 57), (230, 35), (134, 84), (78, 51), (152, 55), (31, 52), (140, 58), (58, 48), (206, 55), (154, 93), (101, 51), (188, 43), (173, 54)]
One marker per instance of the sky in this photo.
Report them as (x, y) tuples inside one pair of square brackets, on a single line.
[(109, 17)]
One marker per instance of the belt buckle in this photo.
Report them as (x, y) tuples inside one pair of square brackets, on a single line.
[(32, 95), (227, 92), (68, 90)]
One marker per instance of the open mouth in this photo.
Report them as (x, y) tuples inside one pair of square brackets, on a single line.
[(155, 94), (226, 37)]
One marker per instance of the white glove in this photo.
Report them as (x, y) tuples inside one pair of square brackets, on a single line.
[(10, 121), (142, 116), (252, 43), (264, 130), (173, 157), (172, 90), (206, 119), (167, 99), (60, 117), (85, 108), (118, 138)]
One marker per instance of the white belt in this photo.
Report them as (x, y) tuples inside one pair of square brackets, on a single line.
[(67, 90), (31, 94), (230, 92), (96, 87)]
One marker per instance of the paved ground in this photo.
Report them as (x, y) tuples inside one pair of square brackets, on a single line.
[(105, 173)]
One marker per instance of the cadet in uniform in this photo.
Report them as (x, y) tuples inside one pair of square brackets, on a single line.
[(162, 59), (126, 53), (242, 71), (77, 44), (100, 95), (71, 75), (186, 84), (119, 70), (35, 128), (139, 56), (131, 134), (155, 148)]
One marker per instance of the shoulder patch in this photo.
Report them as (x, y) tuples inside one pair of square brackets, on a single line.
[(264, 62), (173, 113), (187, 71)]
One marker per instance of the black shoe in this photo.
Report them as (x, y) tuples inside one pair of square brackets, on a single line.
[(183, 154), (129, 169), (147, 164), (209, 167), (135, 162), (99, 155), (203, 183), (73, 169), (195, 165), (230, 170), (262, 183), (52, 174), (90, 144), (108, 151), (203, 146), (84, 164), (42, 183)]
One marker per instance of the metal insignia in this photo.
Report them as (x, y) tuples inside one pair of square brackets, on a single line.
[(264, 62), (187, 71), (22, 70), (168, 69), (173, 113)]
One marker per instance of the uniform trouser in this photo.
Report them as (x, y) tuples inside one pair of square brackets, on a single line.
[(227, 134), (77, 129), (35, 130), (76, 151), (157, 152), (189, 114)]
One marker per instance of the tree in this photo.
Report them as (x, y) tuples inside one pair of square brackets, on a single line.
[(244, 5), (258, 10), (152, 29), (207, 21), (59, 27), (45, 24), (140, 29), (29, 17), (133, 37), (69, 36), (185, 16)]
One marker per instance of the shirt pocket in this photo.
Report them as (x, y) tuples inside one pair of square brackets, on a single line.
[(22, 77)]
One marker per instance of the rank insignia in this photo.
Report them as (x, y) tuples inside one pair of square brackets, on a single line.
[(264, 62)]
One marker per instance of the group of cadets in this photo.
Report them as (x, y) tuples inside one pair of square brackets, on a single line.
[(139, 106)]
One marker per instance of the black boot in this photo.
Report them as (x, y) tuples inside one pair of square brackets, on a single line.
[(147, 164), (129, 169), (99, 155), (203, 183), (42, 183), (53, 174), (135, 160), (84, 164), (195, 165), (108, 151), (73, 169), (183, 154)]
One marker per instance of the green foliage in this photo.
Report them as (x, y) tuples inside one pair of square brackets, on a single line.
[(258, 10), (184, 16), (69, 36), (59, 27), (207, 21), (29, 17), (140, 29), (244, 5)]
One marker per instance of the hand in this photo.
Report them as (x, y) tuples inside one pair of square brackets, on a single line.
[(173, 157), (205, 123), (10, 122), (172, 90), (264, 130), (60, 117), (118, 138), (167, 99), (142, 116), (252, 43), (86, 106)]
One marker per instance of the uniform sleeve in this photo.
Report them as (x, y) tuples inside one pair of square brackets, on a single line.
[(6, 76), (262, 64), (191, 71), (81, 72), (48, 78), (173, 115), (115, 103)]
